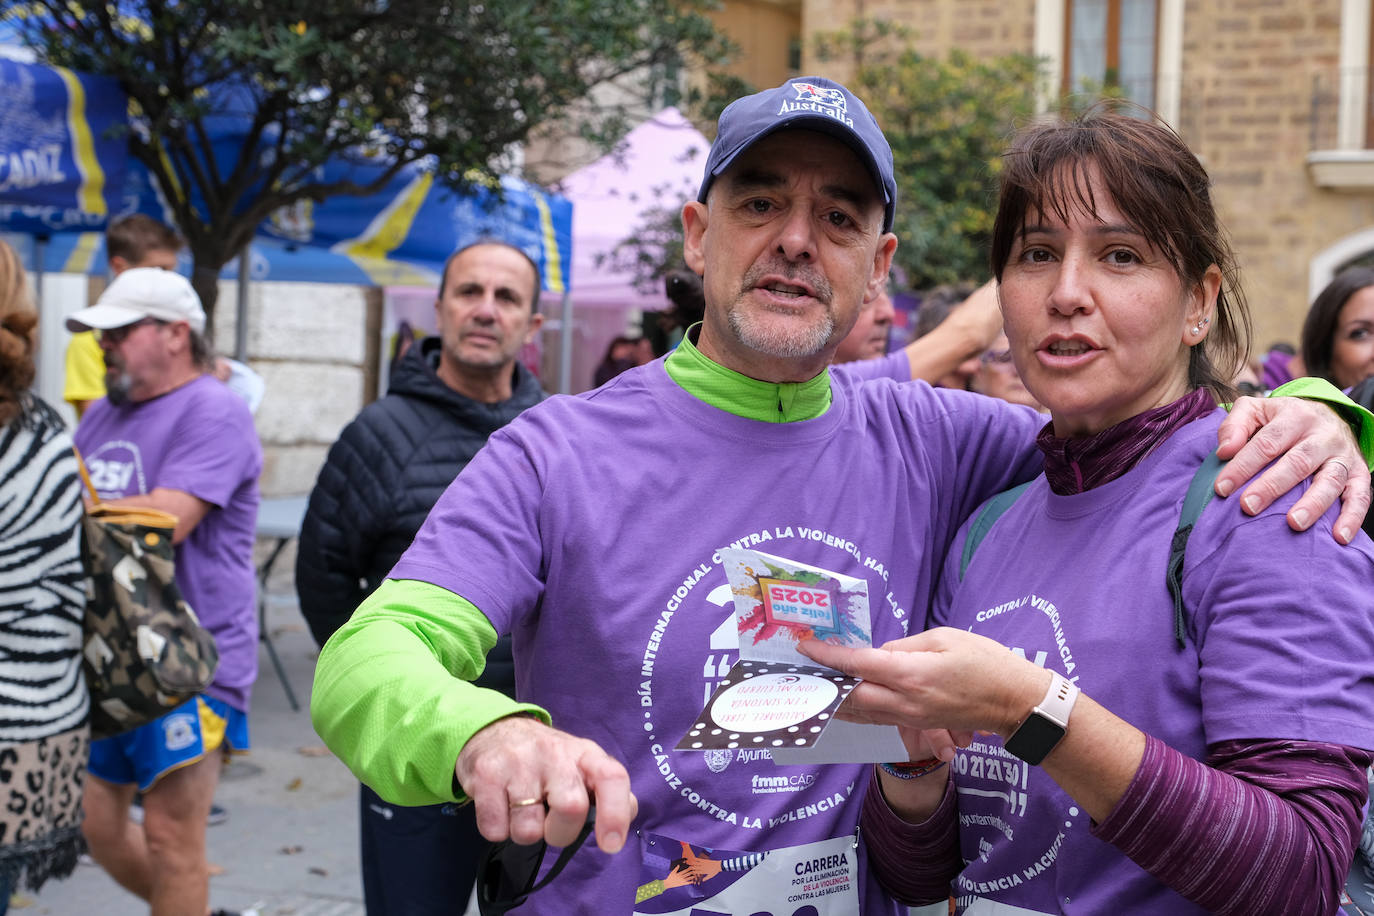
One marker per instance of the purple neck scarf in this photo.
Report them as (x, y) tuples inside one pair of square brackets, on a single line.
[(1075, 465)]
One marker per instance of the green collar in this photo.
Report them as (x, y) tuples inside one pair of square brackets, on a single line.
[(727, 390)]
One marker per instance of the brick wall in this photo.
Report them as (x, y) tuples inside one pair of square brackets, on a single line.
[(1259, 82), (982, 27), (1258, 89)]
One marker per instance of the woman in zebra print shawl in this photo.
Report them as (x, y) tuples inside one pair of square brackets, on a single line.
[(43, 699)]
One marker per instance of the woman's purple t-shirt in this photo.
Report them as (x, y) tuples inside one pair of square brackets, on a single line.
[(1279, 646)]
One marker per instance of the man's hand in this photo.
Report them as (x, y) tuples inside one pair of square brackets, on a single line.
[(968, 330), (516, 759), (1309, 440), (979, 316)]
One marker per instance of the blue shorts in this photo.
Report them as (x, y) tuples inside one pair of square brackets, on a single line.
[(181, 737)]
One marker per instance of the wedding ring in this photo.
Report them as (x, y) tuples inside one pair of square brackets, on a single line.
[(526, 802)]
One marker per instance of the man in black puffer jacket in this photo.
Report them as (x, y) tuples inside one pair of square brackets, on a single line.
[(378, 483)]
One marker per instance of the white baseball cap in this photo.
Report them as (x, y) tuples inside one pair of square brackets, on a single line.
[(142, 292)]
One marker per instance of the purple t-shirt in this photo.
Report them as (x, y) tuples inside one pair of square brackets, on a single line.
[(1280, 645), (590, 528), (199, 439), (1278, 369)]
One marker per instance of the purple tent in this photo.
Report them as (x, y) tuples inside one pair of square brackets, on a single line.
[(655, 168)]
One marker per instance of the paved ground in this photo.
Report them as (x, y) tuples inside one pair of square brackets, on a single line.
[(290, 844)]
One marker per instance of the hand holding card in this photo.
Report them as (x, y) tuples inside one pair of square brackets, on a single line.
[(775, 697)]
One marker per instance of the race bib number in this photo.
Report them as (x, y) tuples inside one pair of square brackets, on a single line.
[(680, 879)]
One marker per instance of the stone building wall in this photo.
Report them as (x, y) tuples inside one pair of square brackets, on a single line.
[(982, 27), (1260, 79), (764, 31), (1259, 86), (309, 343)]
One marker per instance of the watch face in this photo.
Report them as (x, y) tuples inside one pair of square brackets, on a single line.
[(1036, 737)]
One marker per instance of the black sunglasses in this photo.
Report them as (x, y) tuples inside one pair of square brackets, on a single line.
[(507, 871), (117, 335)]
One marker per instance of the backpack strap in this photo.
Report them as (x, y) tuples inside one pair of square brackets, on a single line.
[(86, 476), (987, 517), (1199, 494)]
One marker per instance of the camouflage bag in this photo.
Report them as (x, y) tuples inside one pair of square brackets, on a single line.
[(145, 652)]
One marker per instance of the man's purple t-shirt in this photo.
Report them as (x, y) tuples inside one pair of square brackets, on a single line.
[(590, 528), (198, 438), (1280, 643)]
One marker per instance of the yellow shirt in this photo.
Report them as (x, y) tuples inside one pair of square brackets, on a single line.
[(85, 369)]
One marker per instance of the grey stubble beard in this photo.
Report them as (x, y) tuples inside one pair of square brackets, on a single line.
[(780, 340)]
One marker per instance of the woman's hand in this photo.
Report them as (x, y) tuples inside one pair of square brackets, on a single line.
[(937, 687), (960, 681), (924, 743), (921, 743), (942, 679)]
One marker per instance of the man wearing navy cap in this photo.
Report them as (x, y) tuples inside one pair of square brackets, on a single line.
[(591, 529)]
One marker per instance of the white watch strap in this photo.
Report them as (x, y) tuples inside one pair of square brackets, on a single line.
[(1058, 702)]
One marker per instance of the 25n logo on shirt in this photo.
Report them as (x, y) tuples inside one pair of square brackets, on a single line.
[(111, 476)]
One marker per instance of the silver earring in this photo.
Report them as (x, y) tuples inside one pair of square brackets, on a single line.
[(1197, 328)]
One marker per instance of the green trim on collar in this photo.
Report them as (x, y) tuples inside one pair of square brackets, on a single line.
[(725, 389)]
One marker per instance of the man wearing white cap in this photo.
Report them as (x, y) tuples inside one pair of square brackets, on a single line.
[(623, 619), (170, 436)]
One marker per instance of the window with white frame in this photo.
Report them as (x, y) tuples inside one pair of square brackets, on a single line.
[(1112, 43), (1134, 44)]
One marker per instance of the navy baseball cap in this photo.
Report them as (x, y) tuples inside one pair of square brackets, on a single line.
[(809, 103)]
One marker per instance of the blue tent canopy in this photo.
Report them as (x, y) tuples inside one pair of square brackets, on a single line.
[(62, 156), (400, 236), (65, 172)]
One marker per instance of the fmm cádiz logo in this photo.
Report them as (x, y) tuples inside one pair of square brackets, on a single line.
[(820, 99)]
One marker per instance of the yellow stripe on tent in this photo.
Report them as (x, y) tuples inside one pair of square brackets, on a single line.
[(83, 254), (553, 260), (385, 272), (90, 197), (387, 231)]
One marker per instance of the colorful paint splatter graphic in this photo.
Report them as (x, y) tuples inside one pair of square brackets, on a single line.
[(797, 603)]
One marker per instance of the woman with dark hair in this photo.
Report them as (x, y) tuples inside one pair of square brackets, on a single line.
[(1136, 751), (43, 701), (622, 353), (1338, 335), (1338, 341)]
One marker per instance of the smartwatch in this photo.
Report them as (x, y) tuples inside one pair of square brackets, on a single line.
[(1035, 737)]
